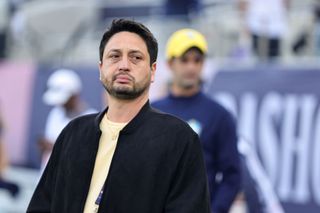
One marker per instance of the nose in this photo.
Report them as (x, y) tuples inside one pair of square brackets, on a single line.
[(124, 64), (191, 65)]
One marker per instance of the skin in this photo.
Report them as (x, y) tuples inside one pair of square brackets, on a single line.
[(186, 72), (3, 159), (126, 74)]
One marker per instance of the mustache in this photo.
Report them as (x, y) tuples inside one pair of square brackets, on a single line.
[(122, 73)]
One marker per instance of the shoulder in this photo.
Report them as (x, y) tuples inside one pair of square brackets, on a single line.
[(167, 123), (55, 115), (89, 111), (56, 111), (171, 132), (160, 102), (215, 108)]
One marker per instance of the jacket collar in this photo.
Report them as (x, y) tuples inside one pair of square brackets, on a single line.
[(133, 124)]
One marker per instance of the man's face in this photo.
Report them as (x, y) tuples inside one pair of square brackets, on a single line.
[(187, 69), (125, 70)]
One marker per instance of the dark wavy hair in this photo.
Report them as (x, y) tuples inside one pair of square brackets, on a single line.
[(120, 25)]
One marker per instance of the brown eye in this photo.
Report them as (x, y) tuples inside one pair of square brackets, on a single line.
[(136, 58), (198, 60), (114, 56), (184, 60)]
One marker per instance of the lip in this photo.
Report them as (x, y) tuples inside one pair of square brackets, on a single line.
[(122, 79), (190, 76)]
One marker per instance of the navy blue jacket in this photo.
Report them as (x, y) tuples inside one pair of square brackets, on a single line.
[(217, 131)]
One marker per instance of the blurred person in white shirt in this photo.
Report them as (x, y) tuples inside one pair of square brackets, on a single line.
[(63, 93), (266, 23)]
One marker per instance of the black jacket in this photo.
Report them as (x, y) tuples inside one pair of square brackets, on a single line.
[(157, 167)]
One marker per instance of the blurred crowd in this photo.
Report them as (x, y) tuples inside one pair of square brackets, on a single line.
[(246, 30)]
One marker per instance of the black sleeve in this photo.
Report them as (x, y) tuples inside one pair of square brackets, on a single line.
[(41, 200), (189, 189), (229, 165)]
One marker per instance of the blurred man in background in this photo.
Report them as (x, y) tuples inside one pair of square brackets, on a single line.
[(64, 88), (186, 51)]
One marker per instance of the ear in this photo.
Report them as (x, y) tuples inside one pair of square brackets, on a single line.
[(100, 70), (153, 71)]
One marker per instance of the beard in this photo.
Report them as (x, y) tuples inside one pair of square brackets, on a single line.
[(126, 92), (187, 84)]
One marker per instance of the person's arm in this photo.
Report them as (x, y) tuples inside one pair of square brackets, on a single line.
[(3, 158), (228, 164), (46, 141), (44, 192), (189, 189)]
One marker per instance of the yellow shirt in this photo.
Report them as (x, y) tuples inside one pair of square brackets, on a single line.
[(107, 145)]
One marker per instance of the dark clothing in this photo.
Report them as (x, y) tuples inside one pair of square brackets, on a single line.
[(3, 47), (157, 167), (266, 48), (11, 187), (182, 7), (217, 132), (254, 203)]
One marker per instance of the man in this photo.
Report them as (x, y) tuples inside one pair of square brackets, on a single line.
[(186, 51), (63, 93), (266, 23), (128, 158)]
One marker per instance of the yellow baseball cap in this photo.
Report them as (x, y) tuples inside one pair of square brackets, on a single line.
[(184, 39)]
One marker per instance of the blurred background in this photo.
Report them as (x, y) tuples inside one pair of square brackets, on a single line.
[(271, 85)]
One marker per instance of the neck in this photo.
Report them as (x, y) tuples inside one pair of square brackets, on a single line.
[(184, 92), (123, 111), (74, 107)]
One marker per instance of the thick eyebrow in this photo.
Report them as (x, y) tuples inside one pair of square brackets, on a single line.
[(119, 51), (136, 51), (114, 50)]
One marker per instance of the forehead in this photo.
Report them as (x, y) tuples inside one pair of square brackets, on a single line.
[(126, 40), (193, 52)]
